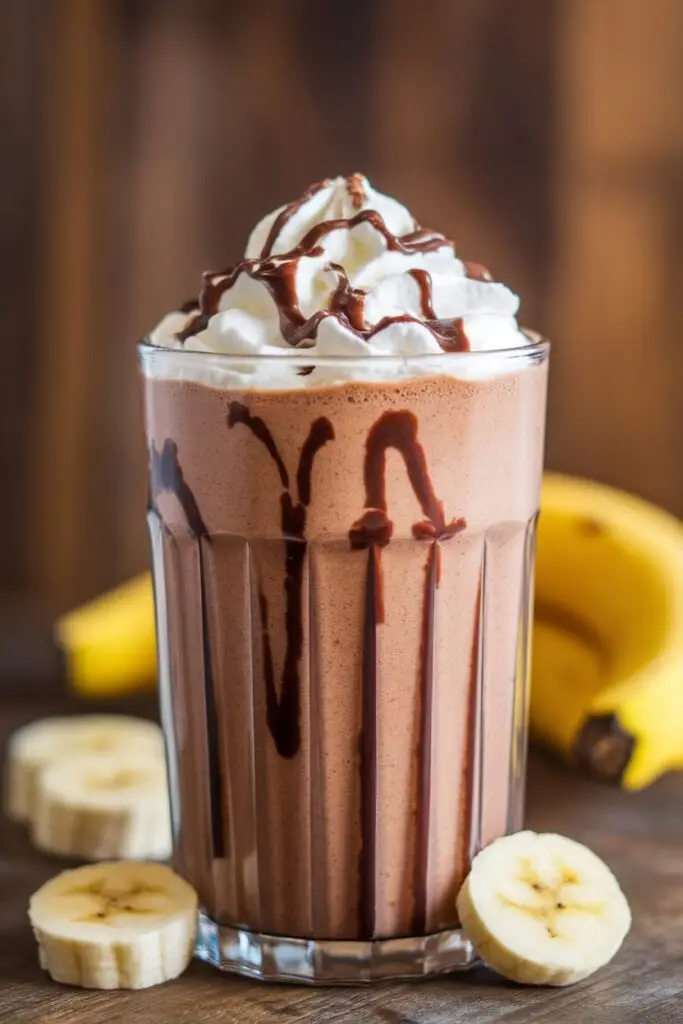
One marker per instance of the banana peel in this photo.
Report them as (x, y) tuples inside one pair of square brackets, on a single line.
[(607, 675)]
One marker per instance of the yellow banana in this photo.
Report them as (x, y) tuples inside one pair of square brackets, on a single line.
[(109, 644), (607, 667)]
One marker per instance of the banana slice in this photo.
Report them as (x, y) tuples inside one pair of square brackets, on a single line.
[(542, 909), (33, 746), (103, 807), (115, 925)]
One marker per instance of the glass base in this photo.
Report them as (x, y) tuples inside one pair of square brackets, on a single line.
[(330, 962)]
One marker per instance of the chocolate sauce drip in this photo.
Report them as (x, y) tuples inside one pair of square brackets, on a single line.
[(279, 277), (424, 283), (450, 334), (367, 858), (470, 822), (283, 713), (396, 429), (424, 785), (373, 531), (356, 189), (422, 240), (238, 413), (373, 527), (213, 745), (477, 271), (320, 433), (288, 212), (195, 325), (348, 302), (167, 476)]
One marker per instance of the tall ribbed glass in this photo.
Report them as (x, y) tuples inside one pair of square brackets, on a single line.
[(343, 580)]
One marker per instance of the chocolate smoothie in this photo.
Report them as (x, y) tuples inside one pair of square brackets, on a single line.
[(343, 543)]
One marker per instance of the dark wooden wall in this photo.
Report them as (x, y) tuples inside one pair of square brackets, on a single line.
[(142, 138)]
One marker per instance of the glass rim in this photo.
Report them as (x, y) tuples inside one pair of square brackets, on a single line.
[(537, 346)]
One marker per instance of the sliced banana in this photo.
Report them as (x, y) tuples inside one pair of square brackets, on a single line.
[(103, 807), (115, 925), (542, 909), (33, 746)]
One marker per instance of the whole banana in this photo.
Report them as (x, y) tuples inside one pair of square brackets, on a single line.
[(607, 666)]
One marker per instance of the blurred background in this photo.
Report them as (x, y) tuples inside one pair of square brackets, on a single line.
[(143, 138)]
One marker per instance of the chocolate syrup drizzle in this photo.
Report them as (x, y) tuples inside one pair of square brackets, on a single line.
[(347, 304), (288, 211), (356, 189), (167, 476), (424, 283), (283, 713), (398, 430), (470, 822), (451, 333), (372, 532)]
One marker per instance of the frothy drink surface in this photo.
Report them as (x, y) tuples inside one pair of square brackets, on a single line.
[(346, 575)]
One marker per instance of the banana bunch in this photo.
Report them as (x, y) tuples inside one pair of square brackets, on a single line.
[(607, 672), (607, 665)]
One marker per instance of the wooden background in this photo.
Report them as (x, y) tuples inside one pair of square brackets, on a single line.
[(142, 138)]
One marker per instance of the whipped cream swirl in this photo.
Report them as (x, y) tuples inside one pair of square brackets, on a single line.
[(343, 271)]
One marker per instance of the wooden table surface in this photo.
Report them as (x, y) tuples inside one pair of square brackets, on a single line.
[(640, 835)]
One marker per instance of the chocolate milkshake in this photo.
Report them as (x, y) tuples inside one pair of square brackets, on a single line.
[(345, 437)]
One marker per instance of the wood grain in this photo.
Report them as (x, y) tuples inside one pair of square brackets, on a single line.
[(640, 835), (544, 135), (618, 368), (23, 39), (57, 515)]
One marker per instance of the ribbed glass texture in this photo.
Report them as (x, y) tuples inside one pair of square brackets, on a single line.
[(343, 580)]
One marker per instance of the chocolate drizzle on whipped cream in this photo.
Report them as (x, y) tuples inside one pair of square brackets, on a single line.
[(344, 264), (346, 304), (424, 282), (288, 211), (356, 189)]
